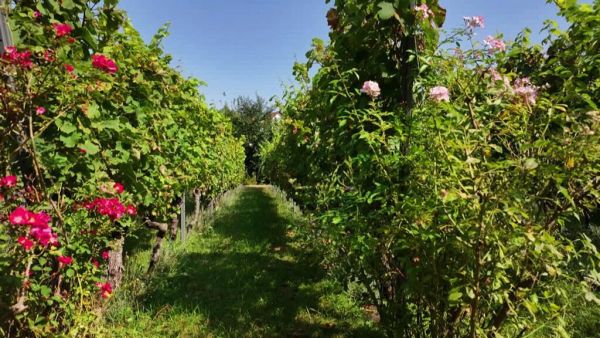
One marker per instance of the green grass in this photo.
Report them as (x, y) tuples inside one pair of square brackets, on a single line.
[(247, 277)]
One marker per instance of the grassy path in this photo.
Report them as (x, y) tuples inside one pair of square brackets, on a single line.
[(248, 277)]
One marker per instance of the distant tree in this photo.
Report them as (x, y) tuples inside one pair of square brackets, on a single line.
[(251, 119)]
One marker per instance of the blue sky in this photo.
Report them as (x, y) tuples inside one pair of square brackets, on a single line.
[(248, 47)]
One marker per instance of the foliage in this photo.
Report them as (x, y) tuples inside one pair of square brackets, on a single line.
[(448, 189), (279, 289), (89, 110), (251, 119)]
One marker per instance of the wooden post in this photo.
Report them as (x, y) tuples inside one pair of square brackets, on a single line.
[(182, 227), (5, 35), (197, 207)]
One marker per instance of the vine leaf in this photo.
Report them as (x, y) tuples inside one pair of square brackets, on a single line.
[(386, 11)]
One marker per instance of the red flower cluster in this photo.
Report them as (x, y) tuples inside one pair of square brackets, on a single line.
[(49, 56), (13, 56), (39, 224), (65, 260), (131, 210), (8, 181), (62, 29), (119, 188), (25, 242), (103, 63), (110, 207), (105, 289)]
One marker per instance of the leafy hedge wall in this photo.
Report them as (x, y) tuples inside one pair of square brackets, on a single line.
[(99, 137), (454, 182)]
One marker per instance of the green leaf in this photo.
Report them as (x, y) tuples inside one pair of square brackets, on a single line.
[(89, 38), (68, 4), (90, 148), (530, 164), (71, 140), (455, 295), (68, 127), (45, 291), (386, 11), (108, 124), (93, 111)]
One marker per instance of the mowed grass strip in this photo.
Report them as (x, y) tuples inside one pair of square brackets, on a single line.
[(249, 276)]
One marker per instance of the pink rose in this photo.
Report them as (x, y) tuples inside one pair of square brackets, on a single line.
[(439, 94), (371, 88), (527, 91), (494, 45), (474, 22), (424, 11)]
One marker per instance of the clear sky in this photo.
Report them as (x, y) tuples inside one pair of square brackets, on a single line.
[(248, 47)]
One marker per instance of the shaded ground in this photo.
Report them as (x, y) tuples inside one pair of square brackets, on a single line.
[(249, 277)]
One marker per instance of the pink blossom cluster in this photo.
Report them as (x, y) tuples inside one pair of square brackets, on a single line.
[(110, 207), (103, 63), (12, 55), (439, 94), (39, 224), (474, 22), (371, 88), (496, 77), (527, 91), (494, 45), (424, 11), (62, 29)]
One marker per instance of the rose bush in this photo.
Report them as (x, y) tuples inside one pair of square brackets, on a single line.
[(458, 198), (99, 136)]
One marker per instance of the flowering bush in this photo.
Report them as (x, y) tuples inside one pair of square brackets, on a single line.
[(91, 104), (54, 263), (459, 201)]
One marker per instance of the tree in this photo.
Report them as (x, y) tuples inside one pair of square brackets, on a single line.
[(251, 119)]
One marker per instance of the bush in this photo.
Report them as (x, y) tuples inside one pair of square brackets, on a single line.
[(102, 136), (445, 180)]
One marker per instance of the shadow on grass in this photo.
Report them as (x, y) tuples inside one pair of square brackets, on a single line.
[(247, 280)]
